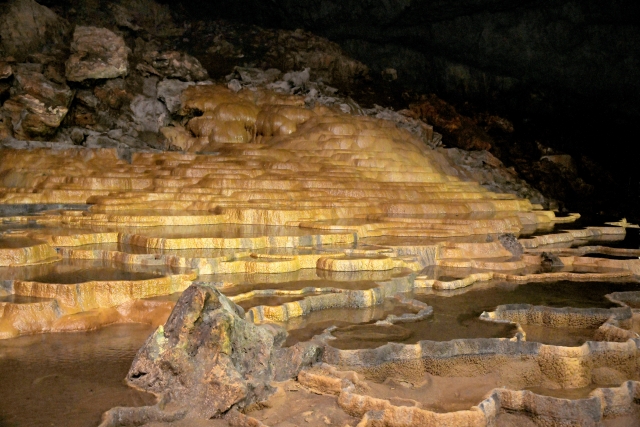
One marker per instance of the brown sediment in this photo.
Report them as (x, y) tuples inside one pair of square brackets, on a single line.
[(384, 404), (59, 372)]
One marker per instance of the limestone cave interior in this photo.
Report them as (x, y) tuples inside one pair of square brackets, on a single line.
[(319, 213)]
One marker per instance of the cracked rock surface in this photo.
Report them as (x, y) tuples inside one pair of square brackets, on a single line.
[(208, 359)]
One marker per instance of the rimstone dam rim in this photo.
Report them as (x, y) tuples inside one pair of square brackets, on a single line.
[(267, 186)]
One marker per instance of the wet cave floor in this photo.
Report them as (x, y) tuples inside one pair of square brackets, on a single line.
[(72, 378), (428, 293)]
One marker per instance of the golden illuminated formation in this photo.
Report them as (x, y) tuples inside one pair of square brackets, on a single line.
[(303, 216)]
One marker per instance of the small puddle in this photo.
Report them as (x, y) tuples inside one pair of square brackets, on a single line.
[(568, 337), (568, 393), (306, 327), (269, 300), (93, 274), (631, 240), (607, 256), (227, 231), (234, 284), (19, 299), (78, 271), (17, 242), (456, 314)]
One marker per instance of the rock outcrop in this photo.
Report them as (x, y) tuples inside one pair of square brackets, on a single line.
[(37, 105), (456, 129), (27, 28), (97, 53), (172, 64), (149, 114), (208, 359)]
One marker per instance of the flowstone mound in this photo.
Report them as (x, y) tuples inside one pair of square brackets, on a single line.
[(332, 225), (278, 175)]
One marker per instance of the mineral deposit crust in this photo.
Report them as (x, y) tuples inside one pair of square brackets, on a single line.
[(266, 185)]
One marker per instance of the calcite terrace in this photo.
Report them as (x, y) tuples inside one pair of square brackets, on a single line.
[(305, 216)]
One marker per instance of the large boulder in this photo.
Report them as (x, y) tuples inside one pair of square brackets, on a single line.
[(32, 82), (27, 27), (172, 64), (97, 53), (207, 359), (37, 105), (169, 92), (456, 129), (149, 114), (5, 70)]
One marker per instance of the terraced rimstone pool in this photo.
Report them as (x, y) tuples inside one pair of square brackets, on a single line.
[(313, 219)]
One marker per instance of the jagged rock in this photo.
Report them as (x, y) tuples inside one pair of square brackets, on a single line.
[(234, 85), (100, 141), (510, 243), (77, 136), (113, 93), (27, 27), (178, 138), (223, 47), (149, 114), (123, 17), (173, 64), (169, 91), (563, 160), (550, 260), (295, 50), (285, 50), (5, 127), (97, 54), (256, 76), (87, 98), (457, 130), (31, 118), (490, 172), (298, 78), (82, 116), (5, 70), (99, 108), (492, 122), (406, 119), (150, 87), (115, 133), (37, 85), (37, 105), (133, 142), (208, 359), (145, 15)]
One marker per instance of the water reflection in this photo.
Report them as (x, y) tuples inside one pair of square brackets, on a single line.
[(456, 314), (68, 379)]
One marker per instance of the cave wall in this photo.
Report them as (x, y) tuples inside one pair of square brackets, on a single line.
[(566, 72), (543, 55)]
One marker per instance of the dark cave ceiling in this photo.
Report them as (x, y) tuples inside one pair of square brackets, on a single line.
[(535, 56)]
